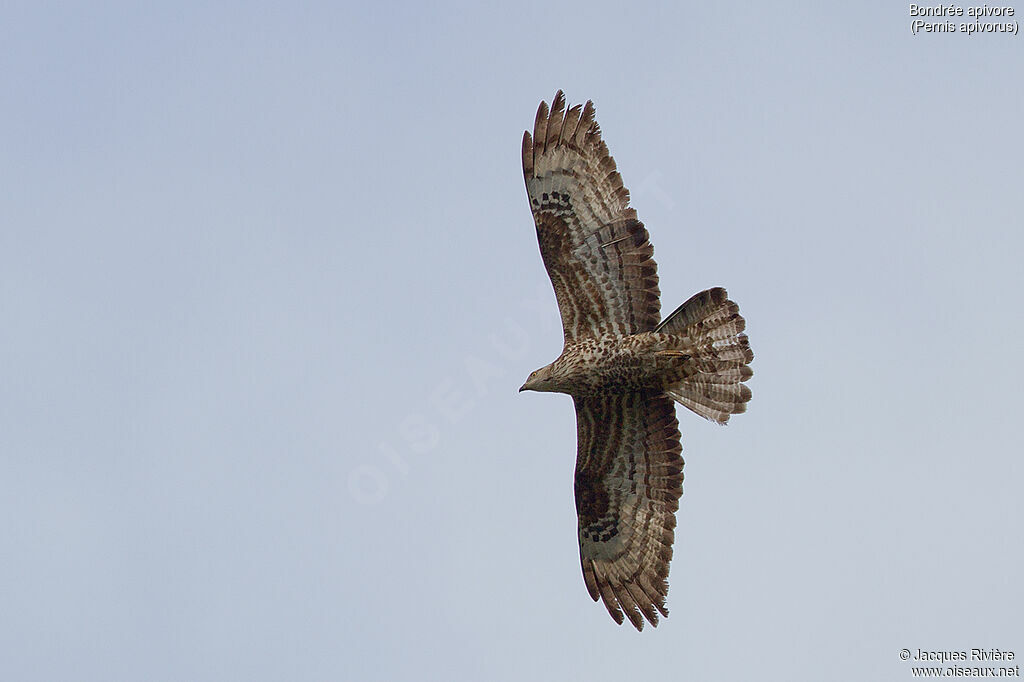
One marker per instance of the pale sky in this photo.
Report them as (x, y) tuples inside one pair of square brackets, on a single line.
[(269, 285)]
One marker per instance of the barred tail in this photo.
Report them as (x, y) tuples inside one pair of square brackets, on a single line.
[(711, 326)]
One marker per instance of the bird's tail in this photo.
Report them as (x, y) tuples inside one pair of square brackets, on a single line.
[(711, 329)]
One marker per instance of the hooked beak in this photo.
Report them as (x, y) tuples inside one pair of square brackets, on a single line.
[(522, 388)]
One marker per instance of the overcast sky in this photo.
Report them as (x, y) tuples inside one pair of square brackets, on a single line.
[(269, 284)]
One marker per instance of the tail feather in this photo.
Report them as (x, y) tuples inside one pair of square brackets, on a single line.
[(710, 328)]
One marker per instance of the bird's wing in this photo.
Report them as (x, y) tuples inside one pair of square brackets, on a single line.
[(595, 250), (629, 477)]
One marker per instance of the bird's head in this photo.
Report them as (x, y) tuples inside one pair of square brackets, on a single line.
[(540, 380)]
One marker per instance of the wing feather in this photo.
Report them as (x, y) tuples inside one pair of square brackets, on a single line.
[(572, 120), (628, 483), (597, 253)]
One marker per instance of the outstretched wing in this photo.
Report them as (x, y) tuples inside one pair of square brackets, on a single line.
[(595, 250), (629, 477)]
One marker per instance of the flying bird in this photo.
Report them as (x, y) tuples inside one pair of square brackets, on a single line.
[(624, 366)]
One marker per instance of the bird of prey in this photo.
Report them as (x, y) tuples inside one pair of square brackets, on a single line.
[(621, 363)]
